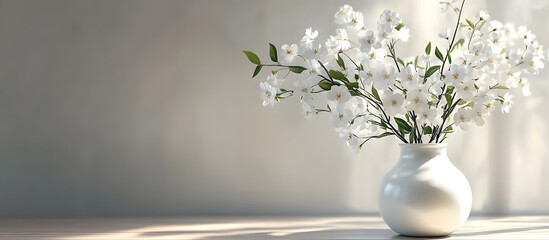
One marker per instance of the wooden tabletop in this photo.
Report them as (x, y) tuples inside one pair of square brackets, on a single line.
[(372, 227)]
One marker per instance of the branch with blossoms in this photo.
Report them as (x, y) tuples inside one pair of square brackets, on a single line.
[(357, 77)]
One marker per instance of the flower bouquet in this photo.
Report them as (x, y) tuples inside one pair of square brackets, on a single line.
[(370, 92)]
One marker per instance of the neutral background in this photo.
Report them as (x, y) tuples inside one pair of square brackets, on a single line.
[(148, 108)]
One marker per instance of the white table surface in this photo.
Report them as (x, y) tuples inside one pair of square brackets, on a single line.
[(372, 227)]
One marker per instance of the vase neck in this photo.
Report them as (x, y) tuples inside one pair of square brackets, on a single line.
[(421, 152)]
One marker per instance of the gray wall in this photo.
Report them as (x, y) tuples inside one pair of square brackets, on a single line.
[(148, 108)]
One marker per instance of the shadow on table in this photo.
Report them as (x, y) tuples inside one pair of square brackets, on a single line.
[(510, 230)]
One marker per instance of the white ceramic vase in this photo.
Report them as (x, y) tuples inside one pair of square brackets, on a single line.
[(424, 194)]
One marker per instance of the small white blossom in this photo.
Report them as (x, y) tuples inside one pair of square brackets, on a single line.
[(506, 105), (388, 21), (308, 111), (457, 74), (482, 15), (446, 4), (289, 52), (339, 94), (385, 78), (393, 103), (274, 80), (268, 93), (356, 20), (416, 102), (342, 41), (343, 15), (341, 117), (430, 116), (479, 113), (309, 38), (461, 118), (366, 40), (445, 33)]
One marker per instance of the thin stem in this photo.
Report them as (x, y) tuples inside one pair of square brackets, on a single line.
[(453, 38), (392, 51)]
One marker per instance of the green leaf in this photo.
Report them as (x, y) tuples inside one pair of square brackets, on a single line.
[(461, 102), (374, 92), (448, 98), (428, 49), (439, 54), (412, 136), (340, 61), (431, 71), (457, 44), (352, 85), (325, 84), (385, 134), (470, 23), (273, 53), (338, 75), (448, 129), (401, 62), (398, 27), (257, 70), (297, 69), (403, 124), (500, 87), (384, 125), (328, 107), (427, 130), (252, 57), (449, 59)]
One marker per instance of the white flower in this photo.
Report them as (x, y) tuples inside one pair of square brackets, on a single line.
[(482, 15), (339, 94), (312, 52), (526, 34), (304, 87), (268, 93), (308, 111), (445, 33), (445, 4), (392, 103), (343, 15), (457, 74), (376, 54), (461, 118), (356, 20), (416, 101), (430, 116), (409, 77), (498, 41), (341, 117), (466, 89), (479, 113), (511, 78), (352, 141), (273, 80), (388, 21), (342, 41), (289, 52), (506, 103), (309, 38), (403, 34), (366, 40), (385, 78)]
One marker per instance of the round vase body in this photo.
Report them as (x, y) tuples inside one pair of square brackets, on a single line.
[(424, 194)]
